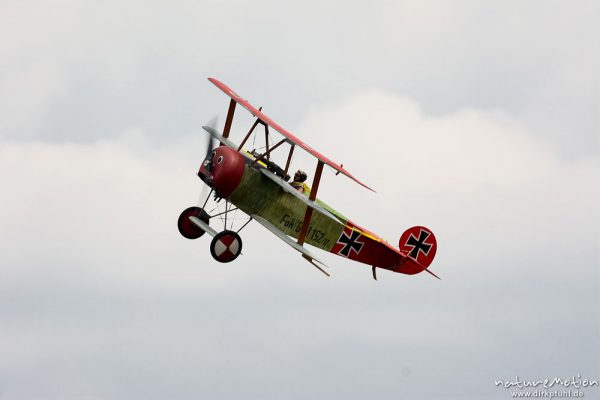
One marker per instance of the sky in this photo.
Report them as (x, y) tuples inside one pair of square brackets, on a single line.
[(479, 120)]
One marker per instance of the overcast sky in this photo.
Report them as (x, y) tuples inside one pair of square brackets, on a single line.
[(477, 119)]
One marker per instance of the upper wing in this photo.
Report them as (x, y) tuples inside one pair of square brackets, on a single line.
[(229, 92)]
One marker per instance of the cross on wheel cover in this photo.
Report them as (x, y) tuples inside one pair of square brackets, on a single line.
[(226, 246)]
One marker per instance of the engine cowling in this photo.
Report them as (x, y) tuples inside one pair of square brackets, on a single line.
[(223, 170)]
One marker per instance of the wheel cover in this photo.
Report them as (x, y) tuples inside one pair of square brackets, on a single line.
[(226, 246), (185, 226)]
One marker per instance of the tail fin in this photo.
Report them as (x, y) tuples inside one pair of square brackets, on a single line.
[(420, 245)]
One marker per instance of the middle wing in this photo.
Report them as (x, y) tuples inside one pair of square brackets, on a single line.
[(278, 180), (288, 188)]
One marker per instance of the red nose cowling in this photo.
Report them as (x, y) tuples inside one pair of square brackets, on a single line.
[(223, 170)]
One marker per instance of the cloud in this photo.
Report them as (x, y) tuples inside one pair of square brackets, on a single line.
[(470, 161), (102, 297), (81, 71)]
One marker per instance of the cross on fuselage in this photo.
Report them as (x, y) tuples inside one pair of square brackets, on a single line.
[(419, 245), (350, 243)]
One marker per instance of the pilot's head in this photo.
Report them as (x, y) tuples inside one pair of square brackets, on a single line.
[(299, 176)]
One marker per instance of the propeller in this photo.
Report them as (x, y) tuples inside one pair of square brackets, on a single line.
[(210, 146)]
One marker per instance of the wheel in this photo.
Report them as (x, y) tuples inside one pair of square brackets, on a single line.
[(226, 246), (186, 227)]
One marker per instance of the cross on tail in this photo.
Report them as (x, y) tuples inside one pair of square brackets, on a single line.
[(419, 244)]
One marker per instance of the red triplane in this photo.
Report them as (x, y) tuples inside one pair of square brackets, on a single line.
[(251, 182)]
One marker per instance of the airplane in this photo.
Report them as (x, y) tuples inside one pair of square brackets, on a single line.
[(252, 182)]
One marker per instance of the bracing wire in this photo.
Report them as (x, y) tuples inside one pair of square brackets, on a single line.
[(233, 217)]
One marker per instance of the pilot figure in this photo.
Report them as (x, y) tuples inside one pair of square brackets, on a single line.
[(299, 182)]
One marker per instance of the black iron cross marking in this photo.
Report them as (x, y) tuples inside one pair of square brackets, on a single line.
[(419, 245), (350, 243)]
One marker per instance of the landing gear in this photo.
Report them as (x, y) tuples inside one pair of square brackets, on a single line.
[(186, 227), (226, 246)]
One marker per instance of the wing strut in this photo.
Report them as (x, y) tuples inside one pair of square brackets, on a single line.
[(311, 197), (267, 141), (229, 119), (248, 135), (289, 159), (265, 156)]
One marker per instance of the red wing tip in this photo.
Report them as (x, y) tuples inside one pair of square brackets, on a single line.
[(349, 175), (366, 187), (215, 82)]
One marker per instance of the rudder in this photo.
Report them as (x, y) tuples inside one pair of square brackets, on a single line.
[(420, 245)]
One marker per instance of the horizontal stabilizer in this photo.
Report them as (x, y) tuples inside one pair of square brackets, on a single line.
[(427, 270), (305, 253)]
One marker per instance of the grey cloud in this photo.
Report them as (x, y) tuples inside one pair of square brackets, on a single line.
[(101, 296), (86, 71)]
